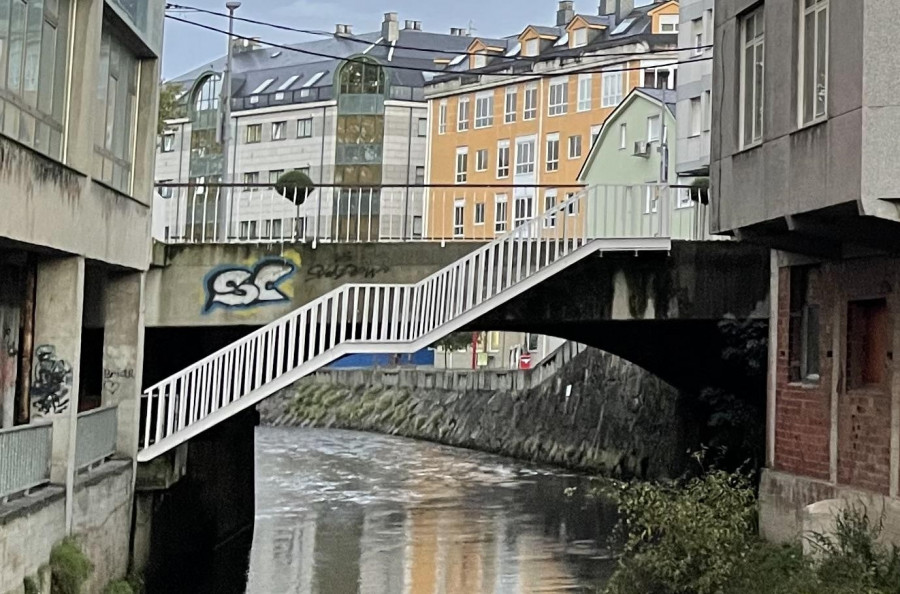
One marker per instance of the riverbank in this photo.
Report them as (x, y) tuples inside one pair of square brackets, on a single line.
[(597, 413)]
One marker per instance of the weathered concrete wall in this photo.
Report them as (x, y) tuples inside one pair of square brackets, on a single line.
[(32, 526), (599, 413), (250, 285)]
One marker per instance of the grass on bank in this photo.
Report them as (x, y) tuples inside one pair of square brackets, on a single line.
[(700, 536)]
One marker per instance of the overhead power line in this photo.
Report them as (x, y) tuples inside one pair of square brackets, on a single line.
[(436, 71), (392, 45)]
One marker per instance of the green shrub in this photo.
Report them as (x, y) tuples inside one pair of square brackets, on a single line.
[(295, 186), (69, 568), (118, 587)]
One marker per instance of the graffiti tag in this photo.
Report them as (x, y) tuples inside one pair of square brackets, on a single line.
[(52, 382), (241, 287), (339, 271)]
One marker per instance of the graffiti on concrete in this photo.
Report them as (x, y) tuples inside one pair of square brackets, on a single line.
[(239, 287), (52, 382), (345, 268), (113, 377)]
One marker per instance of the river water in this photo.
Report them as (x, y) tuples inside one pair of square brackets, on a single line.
[(341, 512)]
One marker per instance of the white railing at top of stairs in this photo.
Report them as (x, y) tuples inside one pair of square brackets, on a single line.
[(400, 318)]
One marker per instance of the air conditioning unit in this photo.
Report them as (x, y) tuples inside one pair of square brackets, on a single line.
[(641, 148)]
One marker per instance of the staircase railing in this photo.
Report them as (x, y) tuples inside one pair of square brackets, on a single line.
[(372, 318)]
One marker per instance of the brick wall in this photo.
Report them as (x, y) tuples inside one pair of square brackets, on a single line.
[(803, 411)]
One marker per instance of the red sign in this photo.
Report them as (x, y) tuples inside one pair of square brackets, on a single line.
[(525, 361)]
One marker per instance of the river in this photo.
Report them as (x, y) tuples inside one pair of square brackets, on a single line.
[(342, 512)]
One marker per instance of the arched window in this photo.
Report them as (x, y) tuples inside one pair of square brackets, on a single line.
[(362, 77), (206, 97)]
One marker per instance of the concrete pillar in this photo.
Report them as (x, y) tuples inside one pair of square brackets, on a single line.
[(58, 313), (123, 355)]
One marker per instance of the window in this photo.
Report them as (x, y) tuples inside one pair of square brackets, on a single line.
[(696, 117), (532, 47), (481, 160), (279, 130), (116, 121), (442, 118), (420, 175), (524, 209), (479, 61), (552, 152), (503, 159), (423, 127), (651, 198), (459, 217), (484, 110), (613, 84), (254, 133), (500, 213), (525, 156), (533, 341), (707, 110), (529, 111), (251, 177), (303, 170), (584, 91), (462, 121), (168, 142), (572, 208), (33, 61), (559, 97), (661, 77), (752, 74), (623, 136), (697, 32), (653, 130), (668, 23), (803, 329), (305, 128), (166, 191), (595, 133), (867, 344), (575, 147), (813, 92), (479, 213), (580, 37), (275, 175), (462, 165), (549, 204), (512, 101)]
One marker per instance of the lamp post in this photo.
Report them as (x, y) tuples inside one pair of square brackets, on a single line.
[(226, 112)]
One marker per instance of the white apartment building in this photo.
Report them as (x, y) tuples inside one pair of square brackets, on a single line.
[(694, 89)]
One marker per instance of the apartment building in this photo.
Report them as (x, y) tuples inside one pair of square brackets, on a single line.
[(526, 112), (803, 160), (356, 118), (694, 102), (78, 103)]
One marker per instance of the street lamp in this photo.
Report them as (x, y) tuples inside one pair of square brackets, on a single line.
[(226, 109)]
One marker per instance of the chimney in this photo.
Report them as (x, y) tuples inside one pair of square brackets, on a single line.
[(390, 28), (417, 25), (617, 10), (343, 29), (566, 13), (240, 46)]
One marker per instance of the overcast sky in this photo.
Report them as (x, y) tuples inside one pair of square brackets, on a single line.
[(187, 47)]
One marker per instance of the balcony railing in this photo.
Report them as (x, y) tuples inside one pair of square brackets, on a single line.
[(24, 458), (96, 437), (216, 213)]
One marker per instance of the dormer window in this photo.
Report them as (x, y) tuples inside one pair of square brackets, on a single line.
[(479, 61), (580, 37), (533, 47), (668, 23)]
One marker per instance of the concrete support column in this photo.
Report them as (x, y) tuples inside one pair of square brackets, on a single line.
[(772, 379), (123, 355), (58, 314)]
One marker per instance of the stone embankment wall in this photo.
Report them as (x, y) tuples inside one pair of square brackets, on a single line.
[(592, 411)]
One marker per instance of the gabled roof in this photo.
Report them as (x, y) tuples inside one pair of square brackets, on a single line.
[(549, 32), (655, 8), (656, 96)]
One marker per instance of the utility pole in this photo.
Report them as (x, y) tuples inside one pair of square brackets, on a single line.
[(226, 114)]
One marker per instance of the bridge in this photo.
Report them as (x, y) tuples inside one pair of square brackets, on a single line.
[(622, 236)]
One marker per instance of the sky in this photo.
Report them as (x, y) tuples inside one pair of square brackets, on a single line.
[(188, 47)]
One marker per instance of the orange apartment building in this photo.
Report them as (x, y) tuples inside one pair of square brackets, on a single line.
[(524, 111)]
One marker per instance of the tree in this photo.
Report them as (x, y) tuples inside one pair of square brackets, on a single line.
[(295, 186), (170, 107), (456, 341)]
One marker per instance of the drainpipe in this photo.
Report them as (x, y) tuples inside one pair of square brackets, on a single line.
[(23, 415)]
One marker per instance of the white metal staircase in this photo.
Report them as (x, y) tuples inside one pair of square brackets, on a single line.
[(393, 319)]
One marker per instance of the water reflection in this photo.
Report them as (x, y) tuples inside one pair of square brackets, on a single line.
[(342, 512)]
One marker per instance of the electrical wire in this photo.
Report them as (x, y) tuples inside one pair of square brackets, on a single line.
[(395, 45), (529, 75)]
